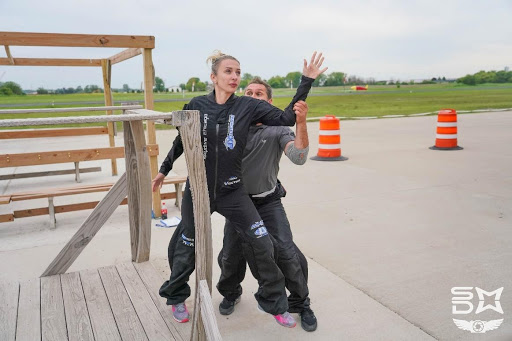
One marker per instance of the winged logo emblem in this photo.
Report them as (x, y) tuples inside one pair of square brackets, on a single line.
[(478, 326)]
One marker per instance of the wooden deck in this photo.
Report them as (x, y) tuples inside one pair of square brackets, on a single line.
[(112, 303)]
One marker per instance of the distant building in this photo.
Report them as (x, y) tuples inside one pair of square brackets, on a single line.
[(174, 88)]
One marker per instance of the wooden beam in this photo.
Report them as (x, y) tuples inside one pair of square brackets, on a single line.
[(38, 133), (128, 323), (59, 194), (102, 319), (28, 326), (4, 218), (208, 313), (53, 318), (78, 324), (153, 279), (149, 316), (144, 192), (50, 62), (62, 191), (142, 115), (106, 68), (9, 294), (8, 53), (188, 121), (49, 173), (124, 55), (89, 228), (75, 109), (149, 81), (33, 212), (63, 156), (75, 40), (139, 190)]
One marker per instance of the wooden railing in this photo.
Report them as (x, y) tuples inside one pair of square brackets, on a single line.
[(63, 156), (136, 183)]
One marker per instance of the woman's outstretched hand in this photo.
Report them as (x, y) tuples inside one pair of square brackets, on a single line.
[(157, 182), (313, 69)]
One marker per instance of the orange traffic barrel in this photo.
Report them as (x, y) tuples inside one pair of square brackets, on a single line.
[(446, 133), (329, 147)]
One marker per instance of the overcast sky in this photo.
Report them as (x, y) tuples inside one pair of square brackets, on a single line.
[(384, 39)]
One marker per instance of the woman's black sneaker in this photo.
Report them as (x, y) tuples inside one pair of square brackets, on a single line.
[(227, 307), (308, 320)]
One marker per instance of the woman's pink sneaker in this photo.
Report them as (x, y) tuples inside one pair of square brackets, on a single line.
[(286, 320), (180, 312)]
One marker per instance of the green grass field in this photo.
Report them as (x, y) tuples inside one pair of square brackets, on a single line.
[(339, 101)]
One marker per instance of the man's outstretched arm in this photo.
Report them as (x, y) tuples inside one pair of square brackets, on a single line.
[(297, 150)]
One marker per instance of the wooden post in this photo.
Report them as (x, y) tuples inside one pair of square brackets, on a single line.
[(149, 81), (89, 228), (51, 213), (77, 171), (208, 313), (106, 67), (139, 190), (190, 129)]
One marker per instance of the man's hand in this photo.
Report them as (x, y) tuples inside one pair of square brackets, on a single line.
[(301, 111), (313, 69), (157, 182)]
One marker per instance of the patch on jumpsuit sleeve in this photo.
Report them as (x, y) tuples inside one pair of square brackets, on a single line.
[(187, 241)]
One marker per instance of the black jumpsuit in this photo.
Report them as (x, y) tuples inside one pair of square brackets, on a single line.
[(224, 130)]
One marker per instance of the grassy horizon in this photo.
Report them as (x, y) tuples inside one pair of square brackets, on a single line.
[(377, 101)]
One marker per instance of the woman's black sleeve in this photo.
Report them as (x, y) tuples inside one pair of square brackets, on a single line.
[(174, 153), (273, 116)]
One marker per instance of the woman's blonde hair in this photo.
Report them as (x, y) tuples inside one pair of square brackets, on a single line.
[(218, 57)]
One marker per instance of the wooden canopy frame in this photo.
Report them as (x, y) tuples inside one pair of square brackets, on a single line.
[(134, 46)]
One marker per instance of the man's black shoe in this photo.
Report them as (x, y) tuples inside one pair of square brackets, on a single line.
[(227, 307), (308, 320)]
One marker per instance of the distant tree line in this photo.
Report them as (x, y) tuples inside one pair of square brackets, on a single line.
[(89, 89), (291, 80), (503, 76), (10, 88)]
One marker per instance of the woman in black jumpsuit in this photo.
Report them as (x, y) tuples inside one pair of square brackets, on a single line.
[(225, 120)]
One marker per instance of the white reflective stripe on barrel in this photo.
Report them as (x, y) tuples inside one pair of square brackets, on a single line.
[(446, 124), (446, 136), (329, 132), (329, 146)]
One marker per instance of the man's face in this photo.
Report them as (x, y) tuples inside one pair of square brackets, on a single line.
[(257, 91)]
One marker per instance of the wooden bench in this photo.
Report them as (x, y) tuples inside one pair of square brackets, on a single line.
[(45, 133), (51, 193), (64, 156)]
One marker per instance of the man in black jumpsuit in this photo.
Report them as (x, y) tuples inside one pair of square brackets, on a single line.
[(260, 167)]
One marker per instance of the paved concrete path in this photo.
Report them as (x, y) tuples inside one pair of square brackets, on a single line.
[(387, 233)]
